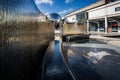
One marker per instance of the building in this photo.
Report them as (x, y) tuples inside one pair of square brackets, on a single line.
[(105, 18), (42, 18), (102, 16), (81, 14), (71, 18)]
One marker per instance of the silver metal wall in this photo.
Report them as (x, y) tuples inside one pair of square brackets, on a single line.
[(23, 40)]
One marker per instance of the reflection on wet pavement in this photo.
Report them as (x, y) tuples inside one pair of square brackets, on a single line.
[(54, 67), (92, 63)]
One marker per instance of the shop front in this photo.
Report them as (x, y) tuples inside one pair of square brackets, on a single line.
[(105, 18)]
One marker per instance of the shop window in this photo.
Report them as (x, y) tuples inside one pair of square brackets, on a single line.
[(117, 9), (114, 26), (81, 15)]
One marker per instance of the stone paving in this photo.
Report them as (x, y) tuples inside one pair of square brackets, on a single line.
[(108, 40)]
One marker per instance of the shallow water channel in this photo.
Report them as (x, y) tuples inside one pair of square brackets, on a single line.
[(81, 61)]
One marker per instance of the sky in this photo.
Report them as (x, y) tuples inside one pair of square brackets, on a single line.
[(62, 7)]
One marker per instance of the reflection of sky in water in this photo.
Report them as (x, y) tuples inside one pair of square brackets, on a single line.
[(95, 56), (54, 16), (80, 65), (90, 63), (55, 69), (55, 66), (19, 7)]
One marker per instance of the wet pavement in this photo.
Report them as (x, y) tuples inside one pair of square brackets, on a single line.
[(109, 40), (54, 67), (93, 61)]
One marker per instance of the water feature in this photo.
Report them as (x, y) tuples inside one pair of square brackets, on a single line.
[(85, 60), (93, 60), (23, 40), (54, 67)]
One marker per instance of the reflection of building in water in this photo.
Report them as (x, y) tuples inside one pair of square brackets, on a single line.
[(102, 16), (31, 17), (42, 18)]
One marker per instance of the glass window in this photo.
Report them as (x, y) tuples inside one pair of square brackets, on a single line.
[(80, 16), (117, 8)]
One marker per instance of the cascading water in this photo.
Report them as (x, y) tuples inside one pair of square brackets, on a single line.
[(23, 40)]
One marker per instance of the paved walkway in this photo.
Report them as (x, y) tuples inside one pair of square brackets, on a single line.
[(108, 40)]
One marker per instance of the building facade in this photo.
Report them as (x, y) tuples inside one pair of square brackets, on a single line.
[(81, 15), (105, 18), (71, 19), (102, 16)]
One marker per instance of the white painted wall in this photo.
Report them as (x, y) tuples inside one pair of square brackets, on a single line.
[(111, 9), (71, 18), (96, 13), (106, 10)]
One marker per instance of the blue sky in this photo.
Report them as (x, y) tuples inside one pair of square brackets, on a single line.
[(61, 7)]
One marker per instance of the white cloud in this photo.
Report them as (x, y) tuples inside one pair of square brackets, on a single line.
[(44, 1), (65, 11), (68, 1)]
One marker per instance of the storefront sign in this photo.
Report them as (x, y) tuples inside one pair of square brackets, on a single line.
[(114, 24)]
